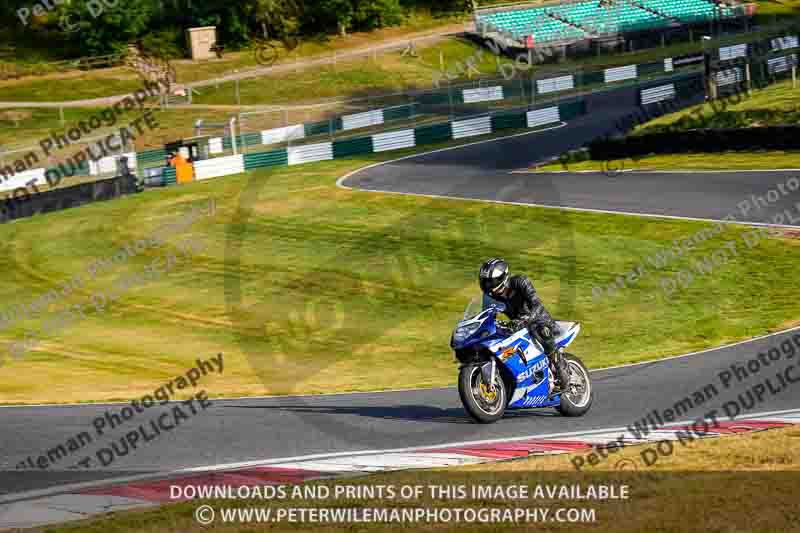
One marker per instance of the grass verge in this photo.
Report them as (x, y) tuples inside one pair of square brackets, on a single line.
[(776, 104), (347, 290), (761, 160), (28, 126), (77, 85)]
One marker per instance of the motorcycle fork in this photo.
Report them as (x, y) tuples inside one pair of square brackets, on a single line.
[(488, 373)]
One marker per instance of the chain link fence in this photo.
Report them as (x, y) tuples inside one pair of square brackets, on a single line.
[(272, 129)]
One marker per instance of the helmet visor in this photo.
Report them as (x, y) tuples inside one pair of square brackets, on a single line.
[(490, 285)]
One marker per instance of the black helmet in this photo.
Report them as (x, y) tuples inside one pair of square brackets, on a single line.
[(493, 276)]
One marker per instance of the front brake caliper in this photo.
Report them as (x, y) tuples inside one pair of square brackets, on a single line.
[(488, 395)]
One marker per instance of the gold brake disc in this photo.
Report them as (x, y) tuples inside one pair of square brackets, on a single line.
[(488, 395)]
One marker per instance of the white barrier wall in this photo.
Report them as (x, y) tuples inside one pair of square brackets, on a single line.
[(473, 126), (482, 94), (540, 117), (215, 145), (731, 75), (784, 43), (310, 152), (219, 166), (393, 140), (108, 165), (362, 120), (668, 66), (620, 73), (552, 85), (282, 135), (686, 60), (658, 94), (781, 64), (22, 178), (732, 52)]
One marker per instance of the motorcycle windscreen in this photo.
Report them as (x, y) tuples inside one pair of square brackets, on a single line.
[(567, 332)]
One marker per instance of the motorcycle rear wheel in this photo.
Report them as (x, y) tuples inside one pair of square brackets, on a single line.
[(579, 399), (482, 404)]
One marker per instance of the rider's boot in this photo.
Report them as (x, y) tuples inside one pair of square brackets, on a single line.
[(561, 371)]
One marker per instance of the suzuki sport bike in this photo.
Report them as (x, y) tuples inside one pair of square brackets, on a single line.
[(501, 369)]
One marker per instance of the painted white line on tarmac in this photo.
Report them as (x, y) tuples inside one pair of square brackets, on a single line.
[(340, 183), (578, 209)]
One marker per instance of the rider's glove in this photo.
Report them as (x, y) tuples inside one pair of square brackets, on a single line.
[(505, 325)]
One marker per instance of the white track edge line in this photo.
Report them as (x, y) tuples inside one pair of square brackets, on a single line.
[(576, 209), (340, 183), (446, 149)]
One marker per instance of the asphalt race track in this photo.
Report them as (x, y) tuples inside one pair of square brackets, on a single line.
[(251, 429), (239, 430)]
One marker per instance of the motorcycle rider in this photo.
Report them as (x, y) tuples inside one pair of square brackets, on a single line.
[(524, 308)]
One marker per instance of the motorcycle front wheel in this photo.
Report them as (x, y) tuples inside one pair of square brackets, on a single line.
[(481, 402)]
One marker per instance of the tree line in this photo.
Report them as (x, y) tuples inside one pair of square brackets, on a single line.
[(105, 26)]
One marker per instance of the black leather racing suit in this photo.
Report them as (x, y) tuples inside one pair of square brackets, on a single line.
[(525, 309)]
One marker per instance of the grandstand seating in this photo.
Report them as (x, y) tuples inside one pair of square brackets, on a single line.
[(535, 22), (683, 10), (620, 16), (577, 20)]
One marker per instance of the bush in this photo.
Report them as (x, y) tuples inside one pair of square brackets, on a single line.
[(167, 43), (378, 14), (697, 141)]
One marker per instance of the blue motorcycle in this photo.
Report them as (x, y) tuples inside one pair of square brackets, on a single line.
[(501, 369)]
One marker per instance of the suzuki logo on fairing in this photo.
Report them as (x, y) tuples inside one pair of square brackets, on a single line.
[(535, 368)]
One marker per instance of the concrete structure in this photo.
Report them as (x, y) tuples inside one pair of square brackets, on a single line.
[(200, 41)]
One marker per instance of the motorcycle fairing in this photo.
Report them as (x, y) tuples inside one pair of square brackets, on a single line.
[(521, 355), (526, 360)]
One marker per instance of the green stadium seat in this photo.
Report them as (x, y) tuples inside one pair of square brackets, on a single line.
[(593, 18)]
